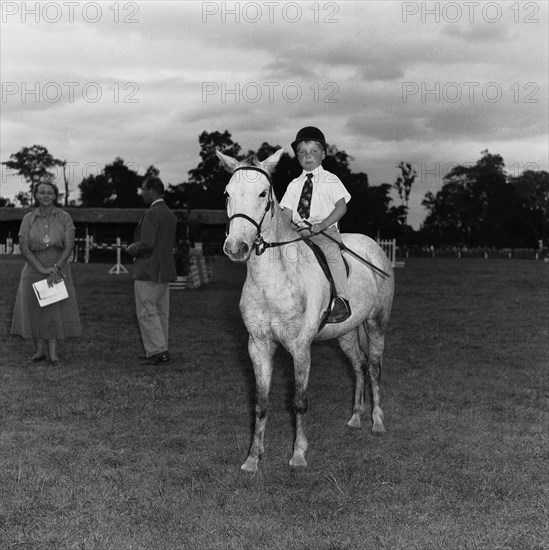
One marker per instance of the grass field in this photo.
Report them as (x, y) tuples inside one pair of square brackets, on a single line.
[(103, 453)]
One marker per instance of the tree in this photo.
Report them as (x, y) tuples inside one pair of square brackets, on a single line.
[(355, 219), (23, 198), (95, 191), (63, 163), (532, 189), (447, 221), (125, 183), (117, 187), (209, 176), (206, 183), (152, 171), (33, 163), (338, 162), (477, 206), (403, 185)]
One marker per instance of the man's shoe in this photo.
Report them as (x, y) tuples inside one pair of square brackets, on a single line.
[(157, 358), (341, 311)]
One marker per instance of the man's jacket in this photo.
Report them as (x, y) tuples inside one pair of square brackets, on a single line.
[(153, 247)]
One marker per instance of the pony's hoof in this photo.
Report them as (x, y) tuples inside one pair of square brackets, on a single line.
[(250, 465), (378, 430), (354, 422), (298, 463)]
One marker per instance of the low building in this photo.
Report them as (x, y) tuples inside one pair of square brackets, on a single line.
[(104, 225)]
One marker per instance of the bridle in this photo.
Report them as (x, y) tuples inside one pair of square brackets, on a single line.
[(259, 243)]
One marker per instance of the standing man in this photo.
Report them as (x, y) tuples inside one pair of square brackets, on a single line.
[(154, 268)]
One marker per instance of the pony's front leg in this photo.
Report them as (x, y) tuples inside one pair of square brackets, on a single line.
[(302, 366), (261, 353)]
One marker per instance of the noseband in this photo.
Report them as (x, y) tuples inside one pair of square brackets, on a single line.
[(259, 244)]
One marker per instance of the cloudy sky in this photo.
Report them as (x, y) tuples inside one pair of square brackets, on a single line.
[(432, 83)]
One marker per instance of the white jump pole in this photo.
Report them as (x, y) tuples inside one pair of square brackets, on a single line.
[(87, 249), (118, 268)]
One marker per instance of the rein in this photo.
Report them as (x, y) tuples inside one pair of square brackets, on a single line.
[(260, 245)]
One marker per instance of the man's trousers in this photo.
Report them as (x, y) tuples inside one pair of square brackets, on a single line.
[(152, 305)]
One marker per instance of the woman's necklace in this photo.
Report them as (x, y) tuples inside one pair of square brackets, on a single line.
[(46, 237)]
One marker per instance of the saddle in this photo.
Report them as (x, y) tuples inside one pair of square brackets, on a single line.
[(321, 258)]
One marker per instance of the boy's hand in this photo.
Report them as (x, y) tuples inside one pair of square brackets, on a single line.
[(317, 228)]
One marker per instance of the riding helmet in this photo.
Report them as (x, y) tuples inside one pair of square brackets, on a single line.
[(309, 133)]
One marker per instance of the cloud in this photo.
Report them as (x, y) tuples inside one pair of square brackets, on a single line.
[(340, 66), (482, 33)]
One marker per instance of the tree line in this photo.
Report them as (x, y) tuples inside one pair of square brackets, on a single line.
[(479, 205)]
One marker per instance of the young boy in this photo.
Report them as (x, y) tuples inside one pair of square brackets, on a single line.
[(318, 197)]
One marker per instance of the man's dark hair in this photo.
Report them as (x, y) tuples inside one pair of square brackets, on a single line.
[(155, 184)]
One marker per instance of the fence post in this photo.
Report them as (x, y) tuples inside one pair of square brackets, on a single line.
[(87, 249)]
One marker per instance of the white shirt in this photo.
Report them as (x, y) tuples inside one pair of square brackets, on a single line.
[(327, 190)]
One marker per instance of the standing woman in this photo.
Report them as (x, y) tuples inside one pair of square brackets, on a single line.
[(46, 240)]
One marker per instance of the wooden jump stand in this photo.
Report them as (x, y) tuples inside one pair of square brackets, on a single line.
[(118, 268)]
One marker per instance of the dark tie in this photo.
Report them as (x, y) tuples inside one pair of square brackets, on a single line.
[(304, 206)]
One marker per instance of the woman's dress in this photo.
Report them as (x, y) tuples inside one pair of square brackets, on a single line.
[(46, 237)]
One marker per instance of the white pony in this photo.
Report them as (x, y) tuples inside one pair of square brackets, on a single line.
[(286, 294)]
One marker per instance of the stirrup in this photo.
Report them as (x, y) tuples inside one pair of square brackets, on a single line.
[(340, 310)]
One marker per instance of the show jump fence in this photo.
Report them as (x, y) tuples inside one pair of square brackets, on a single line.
[(201, 269), (389, 247)]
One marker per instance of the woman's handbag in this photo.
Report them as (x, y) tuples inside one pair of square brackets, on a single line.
[(47, 295)]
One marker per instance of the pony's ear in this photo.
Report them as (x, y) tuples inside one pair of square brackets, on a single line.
[(229, 163), (269, 164)]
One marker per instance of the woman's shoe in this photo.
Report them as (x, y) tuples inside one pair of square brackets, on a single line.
[(55, 362), (36, 359)]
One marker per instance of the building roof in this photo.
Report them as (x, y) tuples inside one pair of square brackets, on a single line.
[(119, 215)]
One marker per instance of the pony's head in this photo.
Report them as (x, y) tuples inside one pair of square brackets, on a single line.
[(250, 199)]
